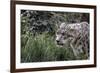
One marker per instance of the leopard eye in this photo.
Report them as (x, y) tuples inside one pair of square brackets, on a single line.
[(63, 33)]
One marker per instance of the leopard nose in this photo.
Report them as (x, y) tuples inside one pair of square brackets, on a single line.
[(57, 41)]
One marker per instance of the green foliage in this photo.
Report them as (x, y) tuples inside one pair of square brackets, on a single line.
[(38, 30), (43, 48)]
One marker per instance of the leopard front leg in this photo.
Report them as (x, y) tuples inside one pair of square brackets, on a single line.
[(74, 49)]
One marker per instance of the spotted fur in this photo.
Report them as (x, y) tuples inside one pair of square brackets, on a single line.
[(76, 36)]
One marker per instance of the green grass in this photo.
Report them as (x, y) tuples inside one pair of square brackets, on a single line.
[(42, 48)]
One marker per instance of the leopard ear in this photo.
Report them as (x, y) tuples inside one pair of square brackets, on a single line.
[(63, 25)]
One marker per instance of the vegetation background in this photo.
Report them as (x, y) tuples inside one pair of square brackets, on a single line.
[(38, 30)]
